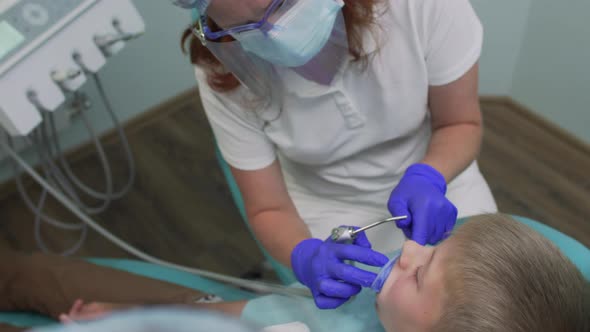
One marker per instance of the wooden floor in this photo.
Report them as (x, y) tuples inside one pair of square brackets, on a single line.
[(180, 209), (536, 171)]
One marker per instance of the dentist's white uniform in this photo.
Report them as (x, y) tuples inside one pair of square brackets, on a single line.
[(343, 148)]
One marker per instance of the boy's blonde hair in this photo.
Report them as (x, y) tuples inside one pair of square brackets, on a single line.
[(507, 277)]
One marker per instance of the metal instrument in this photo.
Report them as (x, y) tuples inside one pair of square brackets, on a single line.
[(347, 234)]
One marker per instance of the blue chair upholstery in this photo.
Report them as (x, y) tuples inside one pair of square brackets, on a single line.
[(574, 250)]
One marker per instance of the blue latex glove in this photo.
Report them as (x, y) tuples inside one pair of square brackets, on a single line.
[(420, 195), (320, 266)]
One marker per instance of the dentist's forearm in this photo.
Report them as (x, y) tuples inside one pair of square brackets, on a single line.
[(279, 232), (453, 148)]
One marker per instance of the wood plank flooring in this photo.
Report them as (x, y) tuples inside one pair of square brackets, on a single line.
[(180, 209), (534, 172)]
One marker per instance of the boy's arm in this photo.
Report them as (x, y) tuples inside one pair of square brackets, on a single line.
[(234, 308), (81, 311), (10, 328), (50, 284)]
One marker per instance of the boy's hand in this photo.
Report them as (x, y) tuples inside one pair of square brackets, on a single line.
[(81, 311)]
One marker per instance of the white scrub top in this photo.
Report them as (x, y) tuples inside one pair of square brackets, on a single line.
[(344, 147)]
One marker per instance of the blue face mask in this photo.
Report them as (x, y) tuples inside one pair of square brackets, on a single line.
[(296, 36), (385, 272)]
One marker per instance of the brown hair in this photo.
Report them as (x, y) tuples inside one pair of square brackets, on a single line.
[(358, 15), (507, 277)]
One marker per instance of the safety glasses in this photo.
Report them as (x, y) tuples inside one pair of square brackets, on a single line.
[(203, 32)]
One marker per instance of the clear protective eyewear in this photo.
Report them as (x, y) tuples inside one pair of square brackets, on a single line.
[(263, 77), (203, 32)]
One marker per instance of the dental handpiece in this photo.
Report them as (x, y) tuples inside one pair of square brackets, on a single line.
[(346, 234)]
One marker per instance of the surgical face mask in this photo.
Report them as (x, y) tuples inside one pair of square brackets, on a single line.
[(385, 272), (299, 33)]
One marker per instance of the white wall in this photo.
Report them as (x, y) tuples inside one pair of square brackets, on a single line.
[(504, 24), (553, 72)]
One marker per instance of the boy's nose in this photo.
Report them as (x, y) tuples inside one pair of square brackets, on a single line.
[(412, 254)]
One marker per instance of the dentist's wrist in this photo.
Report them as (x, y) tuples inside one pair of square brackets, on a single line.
[(301, 256), (430, 173)]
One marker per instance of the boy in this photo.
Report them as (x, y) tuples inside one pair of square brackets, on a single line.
[(492, 274)]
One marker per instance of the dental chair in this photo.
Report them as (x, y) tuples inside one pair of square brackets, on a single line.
[(574, 250)]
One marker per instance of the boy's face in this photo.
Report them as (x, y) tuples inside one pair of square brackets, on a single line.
[(412, 297)]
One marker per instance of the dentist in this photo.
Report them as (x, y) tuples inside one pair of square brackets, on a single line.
[(334, 112)]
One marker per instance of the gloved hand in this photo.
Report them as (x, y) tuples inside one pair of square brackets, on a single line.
[(320, 266), (420, 195)]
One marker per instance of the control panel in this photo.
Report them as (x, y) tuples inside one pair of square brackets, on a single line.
[(25, 24), (48, 46)]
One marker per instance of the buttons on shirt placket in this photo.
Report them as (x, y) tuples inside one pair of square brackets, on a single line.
[(352, 117)]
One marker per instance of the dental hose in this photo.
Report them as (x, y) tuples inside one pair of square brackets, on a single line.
[(48, 148), (59, 180), (67, 177), (256, 286), (122, 137), (37, 209)]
